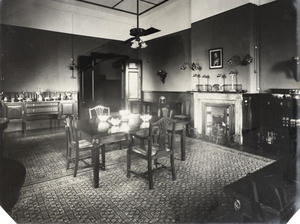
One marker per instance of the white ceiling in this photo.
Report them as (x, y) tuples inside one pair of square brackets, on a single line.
[(112, 19), (127, 6)]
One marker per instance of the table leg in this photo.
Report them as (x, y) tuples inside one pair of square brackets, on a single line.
[(103, 157), (183, 142), (95, 158), (24, 127)]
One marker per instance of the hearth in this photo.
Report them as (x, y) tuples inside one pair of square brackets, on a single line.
[(218, 116), (218, 122)]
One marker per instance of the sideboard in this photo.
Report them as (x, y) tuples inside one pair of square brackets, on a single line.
[(22, 112)]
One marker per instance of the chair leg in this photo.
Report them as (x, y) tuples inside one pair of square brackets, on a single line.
[(173, 167), (257, 214), (279, 196), (68, 157), (150, 174), (156, 163), (76, 162), (67, 153), (128, 163), (120, 145)]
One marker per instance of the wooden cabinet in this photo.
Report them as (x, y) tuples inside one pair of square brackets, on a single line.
[(13, 111), (269, 121), (33, 111), (40, 108), (67, 107)]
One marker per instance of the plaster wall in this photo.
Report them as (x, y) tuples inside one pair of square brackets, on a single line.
[(39, 59), (167, 54), (231, 31), (278, 44)]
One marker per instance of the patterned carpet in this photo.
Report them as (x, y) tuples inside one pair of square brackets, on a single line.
[(44, 157), (52, 195)]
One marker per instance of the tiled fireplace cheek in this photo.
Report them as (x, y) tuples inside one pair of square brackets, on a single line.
[(232, 104)]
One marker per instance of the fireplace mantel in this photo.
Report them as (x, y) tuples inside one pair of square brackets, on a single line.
[(232, 100)]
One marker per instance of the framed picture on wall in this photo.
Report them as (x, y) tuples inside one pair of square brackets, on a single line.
[(216, 58)]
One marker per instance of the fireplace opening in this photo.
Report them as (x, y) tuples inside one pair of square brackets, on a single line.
[(212, 110), (218, 123)]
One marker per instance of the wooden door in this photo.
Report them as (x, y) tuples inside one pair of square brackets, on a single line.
[(86, 65), (132, 82)]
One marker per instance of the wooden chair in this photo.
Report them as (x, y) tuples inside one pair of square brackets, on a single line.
[(165, 112), (75, 146), (99, 110), (163, 108), (158, 145), (185, 113), (268, 196)]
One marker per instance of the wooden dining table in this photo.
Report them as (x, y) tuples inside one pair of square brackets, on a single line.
[(101, 133)]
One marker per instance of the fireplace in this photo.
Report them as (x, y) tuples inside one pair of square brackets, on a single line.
[(218, 121), (218, 116)]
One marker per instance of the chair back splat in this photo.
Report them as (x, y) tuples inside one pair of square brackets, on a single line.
[(160, 142), (99, 110), (160, 129)]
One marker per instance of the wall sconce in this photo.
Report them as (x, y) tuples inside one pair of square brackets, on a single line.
[(237, 60), (193, 66), (162, 75), (72, 66)]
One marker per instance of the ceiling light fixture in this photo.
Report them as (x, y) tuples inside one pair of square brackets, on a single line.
[(139, 32), (137, 42)]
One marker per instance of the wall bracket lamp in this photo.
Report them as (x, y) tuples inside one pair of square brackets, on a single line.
[(72, 66), (193, 66), (238, 60), (162, 74)]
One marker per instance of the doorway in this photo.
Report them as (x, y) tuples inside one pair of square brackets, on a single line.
[(110, 80)]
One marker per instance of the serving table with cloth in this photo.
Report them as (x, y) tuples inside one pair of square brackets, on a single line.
[(101, 133)]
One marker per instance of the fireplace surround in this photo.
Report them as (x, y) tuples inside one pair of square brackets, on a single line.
[(218, 116)]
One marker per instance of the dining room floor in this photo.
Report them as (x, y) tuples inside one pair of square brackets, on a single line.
[(265, 153), (213, 207)]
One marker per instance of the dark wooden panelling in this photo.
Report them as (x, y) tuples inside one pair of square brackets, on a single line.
[(153, 96)]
